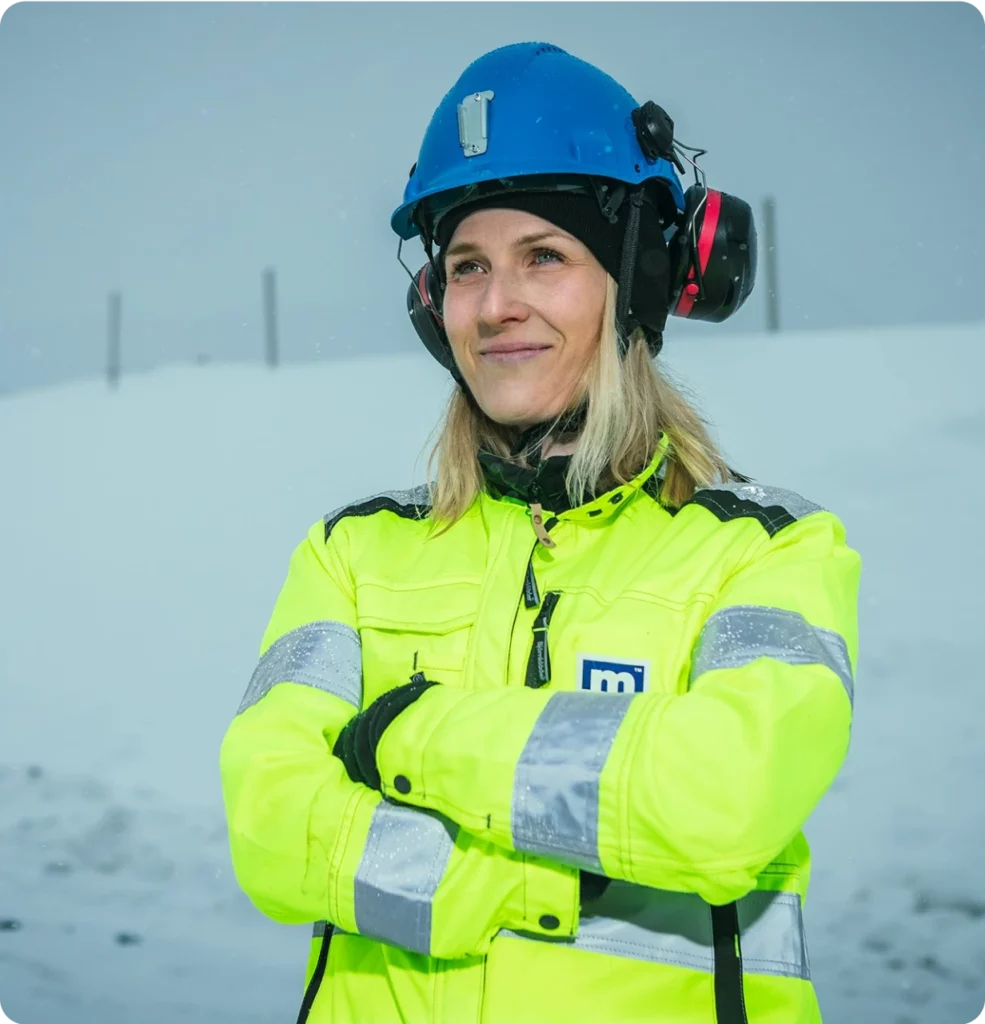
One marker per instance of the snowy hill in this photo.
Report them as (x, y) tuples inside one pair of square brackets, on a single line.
[(144, 535)]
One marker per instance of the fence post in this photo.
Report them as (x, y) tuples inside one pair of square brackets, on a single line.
[(270, 314), (772, 285), (113, 339)]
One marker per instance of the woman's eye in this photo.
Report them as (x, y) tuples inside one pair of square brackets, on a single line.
[(550, 253), (463, 267)]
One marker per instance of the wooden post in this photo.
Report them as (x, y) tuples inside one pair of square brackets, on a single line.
[(769, 261), (113, 339), (270, 314)]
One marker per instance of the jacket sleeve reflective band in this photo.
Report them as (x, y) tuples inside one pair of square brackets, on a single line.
[(325, 655), (736, 636), (556, 787), (696, 791), (405, 857)]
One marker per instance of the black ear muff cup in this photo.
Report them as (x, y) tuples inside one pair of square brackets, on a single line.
[(423, 303), (715, 256)]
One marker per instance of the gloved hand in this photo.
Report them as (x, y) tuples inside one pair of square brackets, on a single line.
[(358, 740), (592, 886)]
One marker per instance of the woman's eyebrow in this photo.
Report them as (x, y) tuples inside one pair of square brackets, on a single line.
[(462, 247)]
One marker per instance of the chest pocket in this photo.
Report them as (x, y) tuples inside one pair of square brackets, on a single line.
[(630, 645), (414, 629)]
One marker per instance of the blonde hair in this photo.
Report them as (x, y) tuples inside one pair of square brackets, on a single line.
[(631, 402)]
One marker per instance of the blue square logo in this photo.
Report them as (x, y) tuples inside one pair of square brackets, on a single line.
[(612, 675)]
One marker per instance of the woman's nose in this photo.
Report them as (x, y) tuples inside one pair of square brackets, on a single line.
[(502, 298)]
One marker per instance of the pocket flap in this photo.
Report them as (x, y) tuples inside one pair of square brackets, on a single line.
[(440, 607)]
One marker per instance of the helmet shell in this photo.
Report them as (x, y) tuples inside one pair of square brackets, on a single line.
[(550, 113)]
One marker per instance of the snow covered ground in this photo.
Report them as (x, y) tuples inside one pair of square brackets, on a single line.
[(144, 535)]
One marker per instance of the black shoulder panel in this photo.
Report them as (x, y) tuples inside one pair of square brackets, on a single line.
[(412, 504), (773, 507)]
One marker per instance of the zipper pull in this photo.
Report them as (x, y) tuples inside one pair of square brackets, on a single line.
[(531, 594), (537, 518), (539, 663)]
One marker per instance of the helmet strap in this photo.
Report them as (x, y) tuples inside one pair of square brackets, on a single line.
[(627, 269)]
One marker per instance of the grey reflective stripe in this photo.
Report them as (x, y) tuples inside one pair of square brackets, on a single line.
[(407, 851), (414, 503), (639, 923), (319, 929), (771, 930), (556, 786), (738, 635), (325, 655), (769, 497)]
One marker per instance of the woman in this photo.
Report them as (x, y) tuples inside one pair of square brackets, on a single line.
[(536, 743)]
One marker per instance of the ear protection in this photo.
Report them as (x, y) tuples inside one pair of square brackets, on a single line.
[(714, 255), (424, 296)]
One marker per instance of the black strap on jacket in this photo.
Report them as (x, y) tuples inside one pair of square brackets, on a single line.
[(730, 1003), (317, 975)]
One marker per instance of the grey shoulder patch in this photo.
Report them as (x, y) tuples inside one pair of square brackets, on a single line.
[(773, 507), (411, 504)]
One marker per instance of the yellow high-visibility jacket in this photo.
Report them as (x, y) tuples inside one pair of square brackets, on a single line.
[(661, 698)]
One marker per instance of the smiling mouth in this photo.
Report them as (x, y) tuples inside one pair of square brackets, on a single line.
[(514, 354)]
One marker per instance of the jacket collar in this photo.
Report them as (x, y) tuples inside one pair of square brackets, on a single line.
[(545, 483)]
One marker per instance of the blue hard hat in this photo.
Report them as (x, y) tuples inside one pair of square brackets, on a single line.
[(525, 111)]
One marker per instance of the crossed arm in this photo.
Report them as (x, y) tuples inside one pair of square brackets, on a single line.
[(309, 844), (505, 794)]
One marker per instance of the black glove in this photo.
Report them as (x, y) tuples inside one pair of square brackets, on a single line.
[(357, 743), (592, 886)]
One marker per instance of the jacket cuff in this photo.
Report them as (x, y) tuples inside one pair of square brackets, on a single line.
[(551, 898), (400, 752)]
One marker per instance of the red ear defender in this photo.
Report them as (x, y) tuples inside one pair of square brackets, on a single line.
[(423, 304), (424, 280), (715, 254)]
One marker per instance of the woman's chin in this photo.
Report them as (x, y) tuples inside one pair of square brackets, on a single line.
[(518, 406), (519, 415)]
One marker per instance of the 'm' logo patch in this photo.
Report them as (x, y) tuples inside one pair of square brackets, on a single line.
[(610, 675)]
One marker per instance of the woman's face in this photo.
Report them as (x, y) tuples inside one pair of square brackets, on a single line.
[(523, 312)]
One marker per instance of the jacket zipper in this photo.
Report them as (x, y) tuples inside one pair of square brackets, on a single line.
[(531, 595), (539, 663), (531, 592)]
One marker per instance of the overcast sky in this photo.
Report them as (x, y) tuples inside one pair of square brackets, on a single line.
[(174, 150)]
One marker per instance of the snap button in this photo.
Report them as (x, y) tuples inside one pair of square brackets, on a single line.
[(402, 784), (549, 921)]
